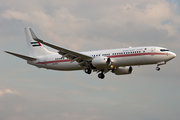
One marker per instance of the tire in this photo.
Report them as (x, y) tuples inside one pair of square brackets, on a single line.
[(101, 75), (157, 68), (88, 71)]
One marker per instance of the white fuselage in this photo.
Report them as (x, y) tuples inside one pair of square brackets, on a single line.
[(119, 58), (118, 61)]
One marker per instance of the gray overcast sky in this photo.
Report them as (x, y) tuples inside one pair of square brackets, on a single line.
[(27, 92)]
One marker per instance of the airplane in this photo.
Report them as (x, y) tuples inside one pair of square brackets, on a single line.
[(118, 61)]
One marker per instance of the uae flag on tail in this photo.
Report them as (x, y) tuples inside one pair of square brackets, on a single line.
[(34, 44)]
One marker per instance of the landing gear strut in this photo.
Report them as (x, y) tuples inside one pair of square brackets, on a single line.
[(101, 75), (88, 71), (158, 68)]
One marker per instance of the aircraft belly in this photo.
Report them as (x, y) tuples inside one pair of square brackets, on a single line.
[(68, 66), (65, 66)]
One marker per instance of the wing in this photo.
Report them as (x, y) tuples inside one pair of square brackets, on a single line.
[(22, 56), (82, 59)]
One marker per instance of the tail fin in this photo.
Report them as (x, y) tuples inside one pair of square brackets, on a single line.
[(35, 48)]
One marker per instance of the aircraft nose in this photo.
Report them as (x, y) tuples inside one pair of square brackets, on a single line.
[(173, 55)]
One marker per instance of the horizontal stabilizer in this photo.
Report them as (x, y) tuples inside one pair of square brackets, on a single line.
[(22, 56)]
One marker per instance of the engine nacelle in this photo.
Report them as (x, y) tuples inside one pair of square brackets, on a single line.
[(101, 62), (123, 70)]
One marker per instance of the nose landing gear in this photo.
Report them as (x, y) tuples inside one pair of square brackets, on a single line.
[(162, 63), (158, 68)]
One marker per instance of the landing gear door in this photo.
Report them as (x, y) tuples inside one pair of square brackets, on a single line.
[(152, 51)]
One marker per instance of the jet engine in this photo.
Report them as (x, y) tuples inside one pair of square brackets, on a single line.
[(123, 70), (101, 62)]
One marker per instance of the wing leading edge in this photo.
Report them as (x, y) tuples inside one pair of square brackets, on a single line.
[(22, 56)]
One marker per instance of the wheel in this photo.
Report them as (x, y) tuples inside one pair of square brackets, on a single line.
[(101, 75), (88, 71), (157, 68)]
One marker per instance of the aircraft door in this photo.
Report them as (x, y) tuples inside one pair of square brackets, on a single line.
[(152, 51)]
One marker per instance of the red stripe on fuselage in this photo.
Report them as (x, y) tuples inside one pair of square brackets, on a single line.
[(112, 56), (136, 54)]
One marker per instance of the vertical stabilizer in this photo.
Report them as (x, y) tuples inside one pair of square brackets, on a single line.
[(36, 49)]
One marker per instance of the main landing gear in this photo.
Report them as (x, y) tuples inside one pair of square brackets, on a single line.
[(158, 68), (101, 75), (88, 71)]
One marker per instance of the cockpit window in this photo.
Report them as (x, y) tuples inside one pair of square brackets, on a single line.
[(163, 50)]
